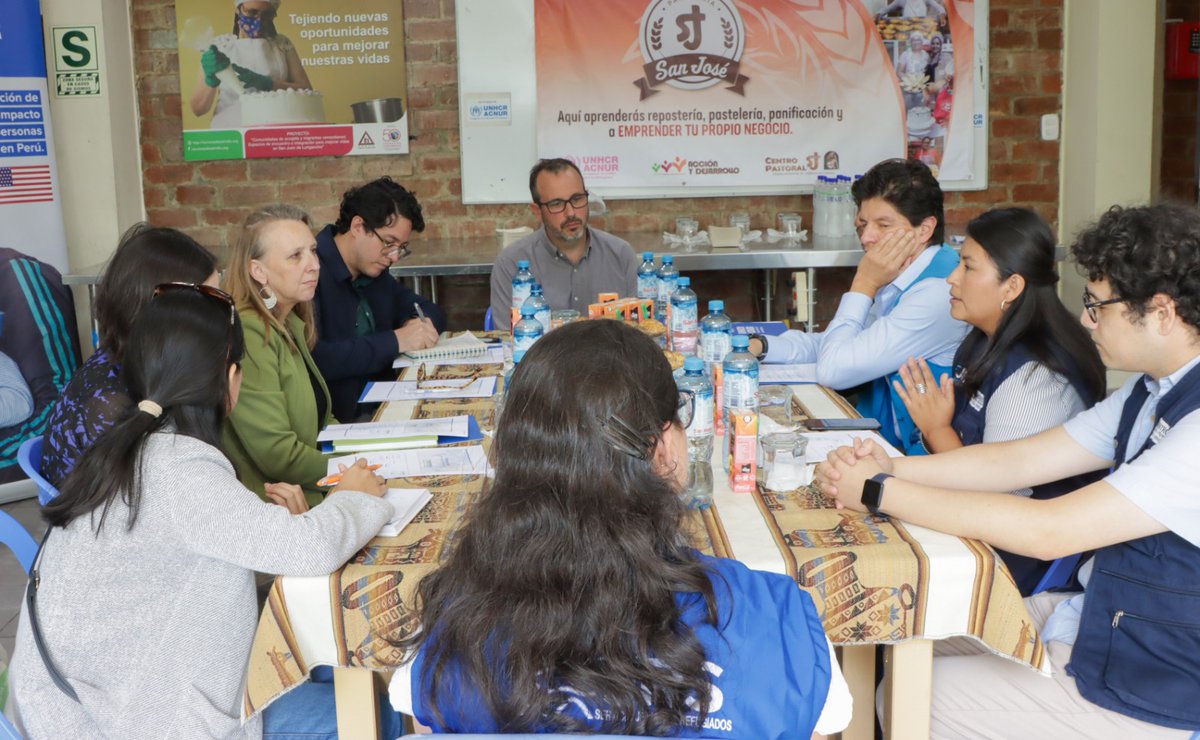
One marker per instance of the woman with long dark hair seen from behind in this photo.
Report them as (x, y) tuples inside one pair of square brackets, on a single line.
[(96, 396), (573, 601), (1026, 366), (144, 593), (272, 276)]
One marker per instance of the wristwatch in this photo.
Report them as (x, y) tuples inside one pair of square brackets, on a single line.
[(762, 338), (872, 493)]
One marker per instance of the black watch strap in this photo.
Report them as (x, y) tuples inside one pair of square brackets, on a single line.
[(872, 493), (762, 338)]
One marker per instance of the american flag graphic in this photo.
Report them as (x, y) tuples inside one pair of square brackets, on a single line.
[(29, 184)]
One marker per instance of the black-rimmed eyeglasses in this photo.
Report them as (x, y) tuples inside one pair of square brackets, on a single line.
[(558, 205), (1090, 304), (392, 249)]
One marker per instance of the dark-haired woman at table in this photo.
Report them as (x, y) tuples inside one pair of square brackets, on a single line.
[(1027, 366), (572, 600), (144, 592), (96, 396)]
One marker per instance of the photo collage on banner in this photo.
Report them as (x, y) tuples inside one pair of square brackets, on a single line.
[(654, 93), (291, 78)]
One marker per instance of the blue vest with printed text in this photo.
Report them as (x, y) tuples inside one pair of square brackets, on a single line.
[(767, 659), (1138, 648), (879, 399), (970, 417)]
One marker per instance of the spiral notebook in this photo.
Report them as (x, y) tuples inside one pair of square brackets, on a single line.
[(465, 344)]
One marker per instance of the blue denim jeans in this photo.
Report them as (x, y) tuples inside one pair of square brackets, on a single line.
[(307, 712)]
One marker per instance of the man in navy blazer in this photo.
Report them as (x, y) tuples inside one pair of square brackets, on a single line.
[(365, 317)]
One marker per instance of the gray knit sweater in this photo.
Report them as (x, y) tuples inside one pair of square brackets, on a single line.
[(153, 627)]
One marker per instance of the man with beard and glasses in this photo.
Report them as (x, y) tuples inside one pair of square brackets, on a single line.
[(573, 262)]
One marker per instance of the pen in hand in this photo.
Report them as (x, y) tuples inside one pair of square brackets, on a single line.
[(420, 314), (336, 478)]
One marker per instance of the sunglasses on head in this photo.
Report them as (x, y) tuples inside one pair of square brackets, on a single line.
[(204, 290)]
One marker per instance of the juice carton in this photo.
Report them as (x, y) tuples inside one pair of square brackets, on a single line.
[(742, 428), (718, 374)]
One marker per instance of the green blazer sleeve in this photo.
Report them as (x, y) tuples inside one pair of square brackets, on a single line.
[(272, 433)]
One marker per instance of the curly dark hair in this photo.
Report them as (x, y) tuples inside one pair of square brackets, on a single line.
[(379, 202), (565, 572), (910, 187), (1145, 250)]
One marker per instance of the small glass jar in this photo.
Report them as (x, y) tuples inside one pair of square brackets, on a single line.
[(741, 221), (789, 224), (686, 228), (784, 466), (562, 317)]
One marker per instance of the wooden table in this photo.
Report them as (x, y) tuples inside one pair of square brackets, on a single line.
[(952, 587)]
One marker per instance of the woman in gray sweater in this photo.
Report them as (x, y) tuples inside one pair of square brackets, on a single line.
[(146, 602)]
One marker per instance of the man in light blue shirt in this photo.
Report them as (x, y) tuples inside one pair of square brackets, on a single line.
[(898, 305), (1125, 654), (16, 402)]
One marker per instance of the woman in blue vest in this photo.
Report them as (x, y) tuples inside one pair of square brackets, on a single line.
[(572, 600), (1027, 365)]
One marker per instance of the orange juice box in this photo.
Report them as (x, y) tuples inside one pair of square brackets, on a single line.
[(718, 398), (743, 449)]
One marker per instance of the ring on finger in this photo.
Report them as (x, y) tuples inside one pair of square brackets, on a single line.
[(920, 388)]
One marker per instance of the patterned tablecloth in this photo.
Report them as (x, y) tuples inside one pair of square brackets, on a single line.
[(874, 580)]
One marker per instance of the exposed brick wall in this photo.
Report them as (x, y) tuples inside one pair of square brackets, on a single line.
[(209, 200), (1178, 172)]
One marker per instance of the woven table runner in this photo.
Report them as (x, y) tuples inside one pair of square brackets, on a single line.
[(871, 578)]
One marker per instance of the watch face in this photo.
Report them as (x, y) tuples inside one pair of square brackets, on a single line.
[(872, 495)]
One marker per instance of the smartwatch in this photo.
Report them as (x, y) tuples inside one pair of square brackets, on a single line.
[(872, 493), (762, 338)]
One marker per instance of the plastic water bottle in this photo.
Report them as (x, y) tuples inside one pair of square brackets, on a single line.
[(699, 490), (847, 212), (820, 206), (684, 329), (541, 308), (527, 331), (522, 284), (716, 331), (739, 391), (647, 277), (668, 277)]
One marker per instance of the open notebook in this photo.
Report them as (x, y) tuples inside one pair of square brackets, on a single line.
[(465, 344)]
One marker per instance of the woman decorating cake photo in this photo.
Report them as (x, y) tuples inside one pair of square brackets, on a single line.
[(253, 58)]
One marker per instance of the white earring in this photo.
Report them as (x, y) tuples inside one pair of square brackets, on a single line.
[(1003, 305), (269, 299)]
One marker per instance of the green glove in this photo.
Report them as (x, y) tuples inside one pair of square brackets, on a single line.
[(253, 80), (213, 61)]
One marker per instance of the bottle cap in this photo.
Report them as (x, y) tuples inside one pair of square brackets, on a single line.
[(716, 305), (739, 341), (668, 259), (648, 256), (684, 282), (522, 264), (693, 364), (536, 289), (528, 310)]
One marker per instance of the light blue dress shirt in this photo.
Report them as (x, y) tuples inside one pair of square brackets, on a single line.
[(16, 402), (868, 339)]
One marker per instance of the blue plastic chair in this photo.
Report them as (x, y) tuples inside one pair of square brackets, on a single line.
[(488, 323), (1058, 574), (29, 457), (23, 545), (7, 731)]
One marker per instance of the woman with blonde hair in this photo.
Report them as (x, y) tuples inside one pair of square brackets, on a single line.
[(272, 276)]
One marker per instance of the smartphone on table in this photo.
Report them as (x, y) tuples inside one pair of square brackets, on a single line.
[(841, 425)]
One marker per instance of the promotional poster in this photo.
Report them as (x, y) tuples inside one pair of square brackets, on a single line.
[(751, 93), (291, 78)]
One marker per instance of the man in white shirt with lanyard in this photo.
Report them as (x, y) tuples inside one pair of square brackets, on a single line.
[(1125, 653)]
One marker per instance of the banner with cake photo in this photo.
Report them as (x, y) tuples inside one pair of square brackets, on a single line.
[(291, 78), (754, 93)]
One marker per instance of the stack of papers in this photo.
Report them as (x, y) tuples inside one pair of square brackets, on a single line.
[(469, 460), (411, 390), (769, 374), (398, 435), (494, 355), (820, 444), (459, 345), (407, 502)]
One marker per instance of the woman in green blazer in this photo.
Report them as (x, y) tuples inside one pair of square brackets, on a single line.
[(272, 433)]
